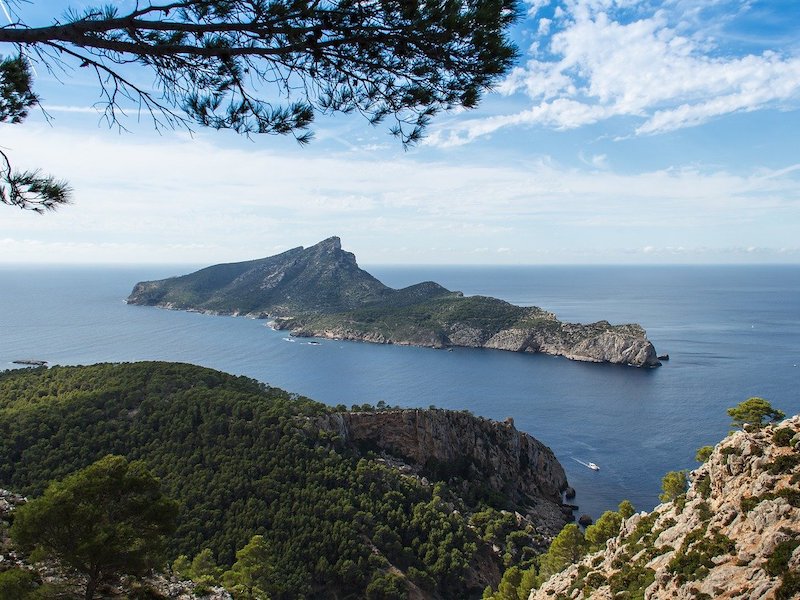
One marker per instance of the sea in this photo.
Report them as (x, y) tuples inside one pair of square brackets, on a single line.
[(731, 332)]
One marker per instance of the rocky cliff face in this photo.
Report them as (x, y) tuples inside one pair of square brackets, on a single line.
[(443, 444), (735, 534), (598, 342)]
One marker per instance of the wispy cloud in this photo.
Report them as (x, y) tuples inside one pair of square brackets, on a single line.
[(171, 199), (655, 62)]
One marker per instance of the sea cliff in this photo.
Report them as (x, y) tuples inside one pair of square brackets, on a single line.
[(535, 330), (460, 448)]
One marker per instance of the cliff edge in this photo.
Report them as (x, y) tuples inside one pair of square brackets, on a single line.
[(462, 450), (734, 534)]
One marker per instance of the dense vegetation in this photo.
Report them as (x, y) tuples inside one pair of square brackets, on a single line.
[(243, 459), (431, 319)]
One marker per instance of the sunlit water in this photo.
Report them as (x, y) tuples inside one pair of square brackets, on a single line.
[(731, 332)]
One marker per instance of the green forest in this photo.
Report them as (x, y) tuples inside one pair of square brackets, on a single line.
[(243, 459)]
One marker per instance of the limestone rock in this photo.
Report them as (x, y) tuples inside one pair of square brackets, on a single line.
[(444, 443), (742, 504)]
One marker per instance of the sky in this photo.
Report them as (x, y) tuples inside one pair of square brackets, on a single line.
[(629, 132)]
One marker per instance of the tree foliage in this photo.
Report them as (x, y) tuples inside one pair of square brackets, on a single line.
[(24, 189), (703, 453), (107, 519), (250, 576), (754, 412), (243, 459), (606, 527), (673, 484), (626, 509), (268, 66)]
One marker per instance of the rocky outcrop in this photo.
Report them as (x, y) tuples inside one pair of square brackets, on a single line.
[(8, 502), (598, 342), (449, 445), (735, 534)]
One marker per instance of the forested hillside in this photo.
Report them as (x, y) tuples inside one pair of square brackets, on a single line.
[(242, 459)]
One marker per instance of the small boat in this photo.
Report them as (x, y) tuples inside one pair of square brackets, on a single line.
[(312, 343), (593, 466)]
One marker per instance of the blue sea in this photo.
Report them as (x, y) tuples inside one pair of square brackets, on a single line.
[(731, 331)]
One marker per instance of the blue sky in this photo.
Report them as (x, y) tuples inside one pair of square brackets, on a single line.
[(628, 132)]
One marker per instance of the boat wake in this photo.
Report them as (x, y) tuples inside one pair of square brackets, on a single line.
[(589, 465)]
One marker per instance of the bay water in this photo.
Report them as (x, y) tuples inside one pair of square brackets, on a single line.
[(731, 331)]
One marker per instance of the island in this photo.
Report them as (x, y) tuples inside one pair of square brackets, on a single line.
[(321, 292)]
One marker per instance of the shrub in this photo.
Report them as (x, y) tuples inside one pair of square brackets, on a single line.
[(778, 563), (631, 581), (704, 486), (673, 485), (783, 436), (643, 527), (790, 586), (746, 504), (595, 580), (693, 561), (703, 454), (791, 495), (704, 510), (16, 584), (783, 464)]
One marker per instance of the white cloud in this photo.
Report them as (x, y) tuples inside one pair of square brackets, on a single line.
[(658, 68), (534, 6), (170, 199)]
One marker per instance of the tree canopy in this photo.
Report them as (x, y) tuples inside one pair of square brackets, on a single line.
[(754, 412), (245, 459), (262, 66), (673, 484), (107, 519)]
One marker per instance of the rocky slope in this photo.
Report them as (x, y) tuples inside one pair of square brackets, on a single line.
[(320, 279), (519, 329), (735, 534), (320, 291), (461, 448)]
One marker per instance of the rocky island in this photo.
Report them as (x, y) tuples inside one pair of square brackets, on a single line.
[(320, 291)]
